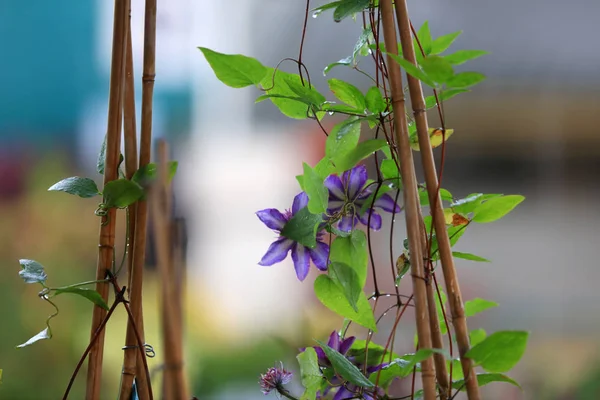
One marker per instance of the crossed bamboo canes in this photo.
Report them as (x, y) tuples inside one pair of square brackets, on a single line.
[(427, 323), (121, 114)]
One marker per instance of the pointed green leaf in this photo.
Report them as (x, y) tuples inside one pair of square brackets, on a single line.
[(310, 373), (375, 101), (347, 8), (101, 158), (348, 93), (345, 368), (363, 150), (32, 271), (469, 256), (413, 70), (82, 187), (477, 336), (462, 56), (465, 79), (361, 47), (45, 334), (89, 294), (484, 379), (403, 366), (348, 281), (235, 70), (352, 251), (496, 208), (442, 43), (443, 95), (437, 69), (147, 174), (286, 98), (478, 305), (343, 138), (424, 35), (318, 195), (121, 193), (344, 61), (332, 297), (302, 228), (500, 351), (389, 170)]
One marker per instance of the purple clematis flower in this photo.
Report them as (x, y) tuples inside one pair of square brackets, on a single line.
[(349, 194), (279, 249), (274, 379), (349, 390)]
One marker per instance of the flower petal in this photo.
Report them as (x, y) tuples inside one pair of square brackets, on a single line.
[(301, 258), (375, 220), (376, 368), (346, 223), (334, 341), (354, 180), (346, 344), (343, 393), (386, 202), (277, 252), (321, 355), (300, 201), (319, 255), (336, 188), (335, 205), (272, 218)]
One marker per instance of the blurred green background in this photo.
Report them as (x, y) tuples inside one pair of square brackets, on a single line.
[(531, 128)]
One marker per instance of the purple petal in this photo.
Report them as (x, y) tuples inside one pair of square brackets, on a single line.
[(334, 341), (376, 368), (346, 223), (346, 344), (301, 258), (272, 218), (354, 180), (386, 202), (343, 393), (300, 201), (375, 220), (277, 252), (336, 188), (319, 255), (321, 355)]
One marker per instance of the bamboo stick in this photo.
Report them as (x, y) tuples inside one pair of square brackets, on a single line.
[(174, 382), (459, 320), (410, 193), (132, 355), (107, 228)]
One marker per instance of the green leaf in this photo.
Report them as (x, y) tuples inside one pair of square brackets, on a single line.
[(375, 353), (424, 196), (348, 93), (362, 44), (478, 305), (403, 366), (45, 334), (496, 208), (465, 79), (469, 256), (121, 193), (484, 379), (332, 297), (437, 69), (345, 368), (344, 61), (324, 168), (82, 187), (361, 151), (235, 70), (302, 228), (442, 43), (424, 35), (310, 373), (477, 336), (413, 70), (32, 271), (468, 204), (352, 251), (457, 372), (389, 170), (286, 98), (309, 94), (343, 138), (318, 195), (101, 157), (347, 8), (318, 10), (148, 173), (375, 101), (500, 351), (443, 95), (348, 281), (462, 56), (89, 294)]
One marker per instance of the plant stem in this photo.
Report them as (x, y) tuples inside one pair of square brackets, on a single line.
[(132, 357), (459, 320), (407, 171), (107, 228)]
